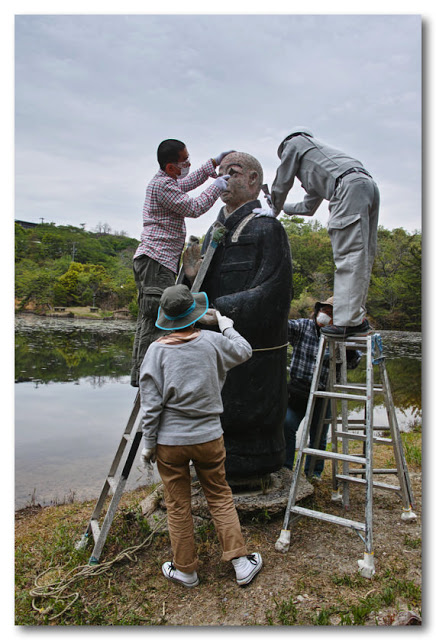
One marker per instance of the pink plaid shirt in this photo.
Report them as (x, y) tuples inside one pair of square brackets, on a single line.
[(165, 208)]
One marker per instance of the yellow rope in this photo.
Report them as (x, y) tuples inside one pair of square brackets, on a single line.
[(56, 588)]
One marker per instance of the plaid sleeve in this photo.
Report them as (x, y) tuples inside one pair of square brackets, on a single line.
[(294, 331), (173, 199), (197, 177)]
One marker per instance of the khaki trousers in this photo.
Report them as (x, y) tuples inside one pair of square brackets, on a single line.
[(208, 459)]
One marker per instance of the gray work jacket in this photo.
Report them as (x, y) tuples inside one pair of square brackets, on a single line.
[(316, 165)]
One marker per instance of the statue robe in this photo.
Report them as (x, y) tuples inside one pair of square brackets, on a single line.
[(250, 280)]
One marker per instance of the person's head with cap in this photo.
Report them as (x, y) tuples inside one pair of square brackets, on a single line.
[(323, 312), (179, 308)]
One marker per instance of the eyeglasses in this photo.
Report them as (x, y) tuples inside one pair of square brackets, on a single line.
[(183, 165)]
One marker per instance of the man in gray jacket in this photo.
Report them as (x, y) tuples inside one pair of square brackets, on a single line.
[(329, 174)]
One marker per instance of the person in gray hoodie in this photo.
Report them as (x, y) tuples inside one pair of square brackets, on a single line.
[(180, 384)]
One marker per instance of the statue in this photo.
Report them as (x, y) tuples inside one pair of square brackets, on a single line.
[(250, 280)]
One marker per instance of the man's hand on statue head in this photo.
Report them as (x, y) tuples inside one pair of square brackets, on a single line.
[(220, 157), (221, 182)]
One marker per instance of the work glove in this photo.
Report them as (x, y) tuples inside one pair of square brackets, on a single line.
[(220, 157), (265, 213), (224, 322), (221, 182), (148, 456)]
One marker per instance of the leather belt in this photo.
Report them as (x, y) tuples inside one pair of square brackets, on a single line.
[(353, 170)]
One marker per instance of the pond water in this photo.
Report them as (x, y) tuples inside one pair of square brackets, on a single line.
[(73, 399)]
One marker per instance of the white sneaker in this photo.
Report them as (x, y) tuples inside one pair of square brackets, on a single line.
[(187, 579), (246, 567)]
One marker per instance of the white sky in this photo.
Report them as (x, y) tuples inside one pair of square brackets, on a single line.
[(96, 94)]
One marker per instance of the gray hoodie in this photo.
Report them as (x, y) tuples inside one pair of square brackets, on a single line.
[(180, 387)]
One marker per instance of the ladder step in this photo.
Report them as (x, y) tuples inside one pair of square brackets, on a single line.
[(360, 426), (319, 453), (378, 485), (358, 387), (385, 471), (327, 517), (111, 482), (95, 528), (356, 436), (339, 396)]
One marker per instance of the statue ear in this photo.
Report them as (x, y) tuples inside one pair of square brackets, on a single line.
[(253, 177)]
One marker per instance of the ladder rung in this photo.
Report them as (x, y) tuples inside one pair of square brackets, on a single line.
[(360, 427), (358, 387), (334, 456), (95, 529), (338, 396), (360, 526), (356, 436), (349, 342), (374, 471), (111, 482), (378, 485)]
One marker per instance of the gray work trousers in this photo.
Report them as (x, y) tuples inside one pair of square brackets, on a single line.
[(151, 279), (352, 228)]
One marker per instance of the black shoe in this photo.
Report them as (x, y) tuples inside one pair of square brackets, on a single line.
[(334, 331)]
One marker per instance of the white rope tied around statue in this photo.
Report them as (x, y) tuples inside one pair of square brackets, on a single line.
[(57, 588), (282, 346)]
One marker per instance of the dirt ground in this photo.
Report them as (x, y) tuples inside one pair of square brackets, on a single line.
[(316, 582), (319, 551)]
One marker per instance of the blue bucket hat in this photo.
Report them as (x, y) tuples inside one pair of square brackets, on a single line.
[(179, 308)]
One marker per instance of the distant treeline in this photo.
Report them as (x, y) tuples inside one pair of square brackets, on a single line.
[(67, 266)]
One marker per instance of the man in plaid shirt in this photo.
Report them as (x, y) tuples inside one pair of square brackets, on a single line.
[(304, 335), (167, 204)]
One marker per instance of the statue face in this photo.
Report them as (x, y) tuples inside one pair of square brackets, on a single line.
[(244, 182)]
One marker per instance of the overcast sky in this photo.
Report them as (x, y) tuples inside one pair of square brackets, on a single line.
[(96, 94)]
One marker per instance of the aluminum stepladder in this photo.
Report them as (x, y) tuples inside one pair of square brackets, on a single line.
[(343, 431), (131, 439)]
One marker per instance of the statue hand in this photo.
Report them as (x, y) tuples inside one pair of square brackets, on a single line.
[(192, 260), (209, 317)]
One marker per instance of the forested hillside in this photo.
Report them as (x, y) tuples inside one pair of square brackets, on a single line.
[(394, 300), (67, 266)]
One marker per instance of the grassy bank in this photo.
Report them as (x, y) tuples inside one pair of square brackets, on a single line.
[(315, 583)]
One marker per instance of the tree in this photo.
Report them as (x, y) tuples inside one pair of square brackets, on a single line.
[(312, 257), (394, 298)]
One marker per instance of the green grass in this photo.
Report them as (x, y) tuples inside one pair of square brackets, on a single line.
[(132, 591)]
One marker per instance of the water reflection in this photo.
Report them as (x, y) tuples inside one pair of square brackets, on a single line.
[(66, 350), (73, 399)]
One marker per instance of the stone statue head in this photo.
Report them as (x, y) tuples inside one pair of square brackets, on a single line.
[(246, 178)]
